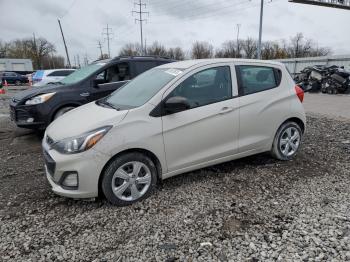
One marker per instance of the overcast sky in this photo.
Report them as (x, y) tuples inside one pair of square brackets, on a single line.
[(171, 22)]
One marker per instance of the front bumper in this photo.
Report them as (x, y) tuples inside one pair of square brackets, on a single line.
[(88, 165), (30, 116)]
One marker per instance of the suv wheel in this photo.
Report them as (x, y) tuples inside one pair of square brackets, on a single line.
[(128, 179), (287, 141), (62, 111), (18, 83)]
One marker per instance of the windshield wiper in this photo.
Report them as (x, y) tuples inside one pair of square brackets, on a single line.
[(105, 103)]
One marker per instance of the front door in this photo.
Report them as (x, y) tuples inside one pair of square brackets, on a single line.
[(209, 129), (110, 80)]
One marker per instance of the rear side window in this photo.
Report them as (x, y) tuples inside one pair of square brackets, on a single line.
[(61, 73), (254, 79), (142, 66)]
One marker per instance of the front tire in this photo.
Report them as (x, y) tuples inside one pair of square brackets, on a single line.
[(287, 141), (129, 179)]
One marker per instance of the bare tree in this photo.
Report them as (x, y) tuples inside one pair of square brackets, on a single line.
[(103, 56), (229, 49), (250, 47), (156, 49), (130, 49), (176, 53), (37, 50), (202, 50)]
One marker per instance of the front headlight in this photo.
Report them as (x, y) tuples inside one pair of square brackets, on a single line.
[(39, 99), (80, 143)]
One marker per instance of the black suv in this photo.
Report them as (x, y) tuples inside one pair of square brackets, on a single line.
[(37, 107), (13, 78)]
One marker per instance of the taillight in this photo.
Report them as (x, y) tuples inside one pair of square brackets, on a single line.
[(300, 93)]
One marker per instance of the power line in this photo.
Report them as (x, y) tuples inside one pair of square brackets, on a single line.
[(140, 5), (108, 32)]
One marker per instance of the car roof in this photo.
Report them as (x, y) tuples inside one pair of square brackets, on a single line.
[(135, 58), (200, 62)]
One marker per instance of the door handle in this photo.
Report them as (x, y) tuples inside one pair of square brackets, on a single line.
[(85, 94), (226, 110)]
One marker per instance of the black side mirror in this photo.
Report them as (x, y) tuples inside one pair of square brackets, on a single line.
[(176, 104), (97, 82)]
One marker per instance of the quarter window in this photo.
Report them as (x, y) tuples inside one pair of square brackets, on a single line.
[(253, 79), (206, 87)]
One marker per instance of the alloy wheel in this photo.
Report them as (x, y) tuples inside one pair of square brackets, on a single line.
[(289, 141)]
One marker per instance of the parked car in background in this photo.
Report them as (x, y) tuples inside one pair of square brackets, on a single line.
[(13, 78), (170, 120), (37, 107), (44, 77)]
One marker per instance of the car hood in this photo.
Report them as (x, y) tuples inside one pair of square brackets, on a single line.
[(84, 119), (33, 91)]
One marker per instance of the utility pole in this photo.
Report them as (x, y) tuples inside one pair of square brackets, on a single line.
[(260, 28), (36, 52), (100, 47), (238, 49), (107, 32), (140, 13), (64, 42), (78, 61)]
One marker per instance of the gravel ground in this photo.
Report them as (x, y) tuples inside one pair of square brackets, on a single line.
[(251, 209)]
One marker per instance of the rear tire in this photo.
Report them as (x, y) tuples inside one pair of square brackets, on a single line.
[(62, 111), (287, 141), (128, 179), (18, 83)]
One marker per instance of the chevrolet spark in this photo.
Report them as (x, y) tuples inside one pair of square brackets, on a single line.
[(173, 119)]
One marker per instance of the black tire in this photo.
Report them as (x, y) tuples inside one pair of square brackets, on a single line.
[(18, 83), (62, 111), (276, 146), (115, 165)]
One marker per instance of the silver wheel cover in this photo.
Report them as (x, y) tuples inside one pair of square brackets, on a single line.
[(131, 181)]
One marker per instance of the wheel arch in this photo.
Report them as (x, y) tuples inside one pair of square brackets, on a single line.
[(298, 121), (146, 152), (54, 112)]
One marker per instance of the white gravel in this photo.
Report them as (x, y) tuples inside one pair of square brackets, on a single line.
[(253, 209)]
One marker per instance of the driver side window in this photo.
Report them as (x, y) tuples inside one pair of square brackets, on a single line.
[(115, 73), (206, 87)]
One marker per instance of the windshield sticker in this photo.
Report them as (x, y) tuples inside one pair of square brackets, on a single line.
[(173, 71)]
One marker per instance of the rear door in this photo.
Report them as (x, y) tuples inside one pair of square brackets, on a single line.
[(263, 103), (209, 129)]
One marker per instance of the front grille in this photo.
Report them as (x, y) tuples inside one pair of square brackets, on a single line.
[(50, 163)]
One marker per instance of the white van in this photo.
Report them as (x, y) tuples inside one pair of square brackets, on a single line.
[(173, 119)]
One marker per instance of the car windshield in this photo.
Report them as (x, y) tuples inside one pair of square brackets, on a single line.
[(82, 73), (142, 88)]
